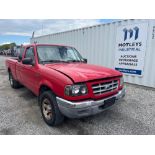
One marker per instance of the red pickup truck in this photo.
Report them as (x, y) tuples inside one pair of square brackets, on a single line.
[(63, 81)]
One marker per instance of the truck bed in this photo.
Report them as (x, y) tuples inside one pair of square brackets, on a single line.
[(11, 65)]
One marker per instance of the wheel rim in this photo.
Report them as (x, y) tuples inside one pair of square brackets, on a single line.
[(47, 109), (11, 80)]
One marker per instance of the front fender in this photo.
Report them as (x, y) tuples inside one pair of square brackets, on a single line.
[(45, 83)]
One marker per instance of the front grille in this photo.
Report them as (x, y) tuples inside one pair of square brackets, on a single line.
[(104, 87)]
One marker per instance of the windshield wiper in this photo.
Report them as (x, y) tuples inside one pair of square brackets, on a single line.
[(58, 61), (73, 61), (52, 61)]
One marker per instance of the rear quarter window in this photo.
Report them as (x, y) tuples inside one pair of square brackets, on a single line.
[(22, 49)]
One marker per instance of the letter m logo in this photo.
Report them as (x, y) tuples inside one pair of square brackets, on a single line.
[(131, 33)]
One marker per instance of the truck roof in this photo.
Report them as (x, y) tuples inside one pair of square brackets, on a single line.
[(46, 45)]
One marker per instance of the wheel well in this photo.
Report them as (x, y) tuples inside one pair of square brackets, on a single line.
[(44, 88)]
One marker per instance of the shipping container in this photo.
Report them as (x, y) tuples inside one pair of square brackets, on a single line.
[(104, 44)]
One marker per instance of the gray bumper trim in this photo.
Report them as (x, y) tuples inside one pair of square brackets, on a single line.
[(84, 108)]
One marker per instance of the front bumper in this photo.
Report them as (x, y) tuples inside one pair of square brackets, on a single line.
[(86, 108)]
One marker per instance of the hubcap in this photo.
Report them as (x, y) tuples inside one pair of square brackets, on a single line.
[(47, 109)]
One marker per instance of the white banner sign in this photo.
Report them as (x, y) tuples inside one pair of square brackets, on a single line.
[(130, 48)]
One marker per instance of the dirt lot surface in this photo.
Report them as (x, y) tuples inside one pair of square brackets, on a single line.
[(20, 113)]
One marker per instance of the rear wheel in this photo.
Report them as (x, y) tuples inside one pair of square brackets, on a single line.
[(13, 83), (49, 109)]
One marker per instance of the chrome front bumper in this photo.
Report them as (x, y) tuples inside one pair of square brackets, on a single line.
[(85, 108)]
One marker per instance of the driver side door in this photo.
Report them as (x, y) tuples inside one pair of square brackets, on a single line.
[(29, 71)]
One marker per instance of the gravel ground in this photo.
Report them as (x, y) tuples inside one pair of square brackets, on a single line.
[(20, 113)]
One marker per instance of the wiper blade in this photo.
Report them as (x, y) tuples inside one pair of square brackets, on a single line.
[(53, 61), (73, 61)]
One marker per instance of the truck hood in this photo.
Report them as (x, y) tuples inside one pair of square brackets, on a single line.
[(80, 72)]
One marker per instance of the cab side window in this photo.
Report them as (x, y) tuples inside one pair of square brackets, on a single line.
[(21, 53), (30, 53)]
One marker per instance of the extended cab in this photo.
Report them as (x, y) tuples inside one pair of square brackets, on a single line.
[(63, 81)]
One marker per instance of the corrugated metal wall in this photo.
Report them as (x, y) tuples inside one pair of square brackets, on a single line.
[(97, 44)]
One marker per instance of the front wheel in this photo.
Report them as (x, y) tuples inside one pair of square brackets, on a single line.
[(49, 109)]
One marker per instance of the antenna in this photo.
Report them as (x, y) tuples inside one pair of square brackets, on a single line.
[(42, 29), (33, 34)]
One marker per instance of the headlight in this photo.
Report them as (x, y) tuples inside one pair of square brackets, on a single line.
[(76, 90), (121, 81)]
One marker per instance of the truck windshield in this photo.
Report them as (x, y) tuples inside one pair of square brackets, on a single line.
[(47, 54)]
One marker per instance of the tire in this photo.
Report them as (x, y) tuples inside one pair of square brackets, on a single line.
[(13, 83), (49, 109)]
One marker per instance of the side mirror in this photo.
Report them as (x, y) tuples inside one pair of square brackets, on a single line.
[(85, 60), (27, 61)]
